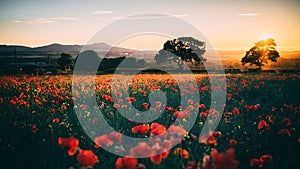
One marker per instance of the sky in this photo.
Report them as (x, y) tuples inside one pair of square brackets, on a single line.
[(227, 24)]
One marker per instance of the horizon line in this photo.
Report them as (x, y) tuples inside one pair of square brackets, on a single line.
[(141, 49)]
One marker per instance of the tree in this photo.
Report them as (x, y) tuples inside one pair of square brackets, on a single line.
[(141, 63), (65, 60), (88, 62), (183, 49), (260, 54)]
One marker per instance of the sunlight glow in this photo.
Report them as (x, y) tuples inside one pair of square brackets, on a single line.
[(265, 36)]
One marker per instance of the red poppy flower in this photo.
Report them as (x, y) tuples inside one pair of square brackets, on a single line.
[(103, 140), (158, 105), (126, 163), (145, 105), (56, 120), (236, 111), (12, 102), (261, 161), (233, 142), (52, 111), (130, 99), (229, 96), (116, 136), (177, 130), (289, 107), (182, 152), (244, 83), (181, 114), (140, 166), (107, 98), (201, 106), (204, 114), (263, 125), (156, 159), (266, 158), (286, 132), (34, 128), (94, 120), (71, 143), (256, 162), (224, 160), (227, 121), (287, 121), (142, 150), (87, 158), (161, 150), (157, 129), (63, 107), (207, 162), (119, 94), (168, 108), (251, 107), (208, 140), (226, 114), (189, 108), (83, 106), (165, 154), (116, 105), (141, 129), (217, 134), (271, 119)]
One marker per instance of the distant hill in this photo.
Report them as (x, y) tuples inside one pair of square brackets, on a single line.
[(102, 48), (56, 48)]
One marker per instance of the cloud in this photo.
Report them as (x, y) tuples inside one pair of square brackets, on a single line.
[(37, 20), (100, 12), (249, 14), (151, 16), (64, 18), (180, 16)]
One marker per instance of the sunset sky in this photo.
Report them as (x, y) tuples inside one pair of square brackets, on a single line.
[(228, 24)]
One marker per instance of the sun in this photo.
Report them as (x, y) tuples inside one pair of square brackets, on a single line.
[(265, 36)]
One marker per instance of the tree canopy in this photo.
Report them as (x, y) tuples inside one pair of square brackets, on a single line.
[(185, 49), (65, 60), (260, 54)]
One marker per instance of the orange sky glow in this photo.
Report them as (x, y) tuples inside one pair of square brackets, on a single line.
[(229, 25)]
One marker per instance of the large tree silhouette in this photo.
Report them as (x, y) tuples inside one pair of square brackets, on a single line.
[(183, 49), (260, 54), (65, 60)]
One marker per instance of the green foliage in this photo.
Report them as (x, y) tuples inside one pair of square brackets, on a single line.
[(110, 63), (260, 54), (185, 49), (65, 60)]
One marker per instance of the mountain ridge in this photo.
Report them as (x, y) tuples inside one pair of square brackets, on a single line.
[(105, 49), (56, 48)]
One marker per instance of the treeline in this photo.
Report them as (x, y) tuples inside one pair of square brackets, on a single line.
[(65, 64)]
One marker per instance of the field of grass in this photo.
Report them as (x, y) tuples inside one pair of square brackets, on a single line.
[(259, 128)]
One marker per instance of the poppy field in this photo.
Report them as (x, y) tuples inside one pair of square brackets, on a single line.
[(259, 127)]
